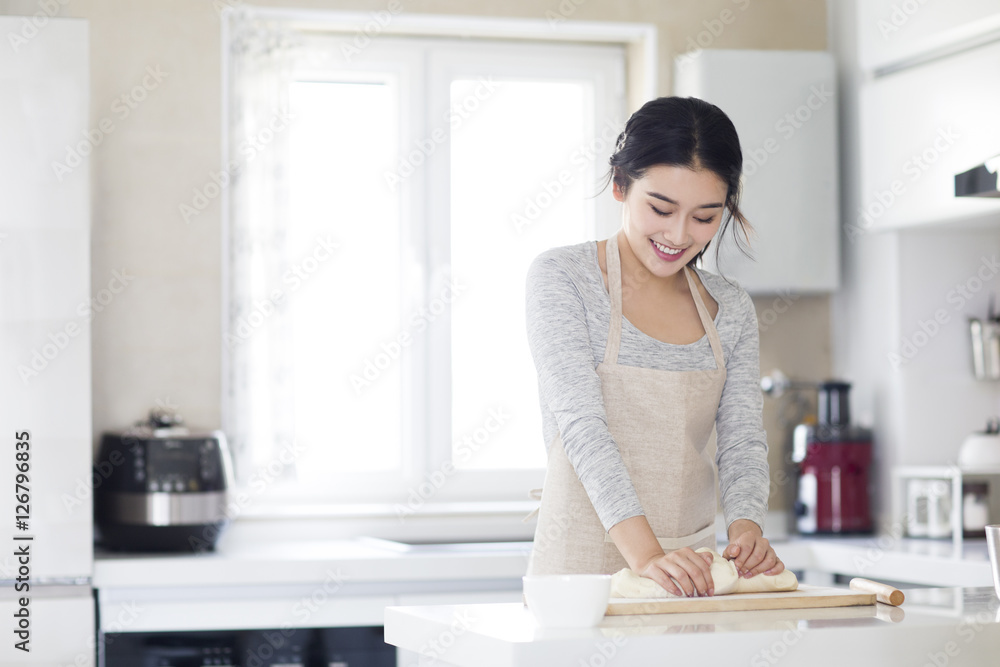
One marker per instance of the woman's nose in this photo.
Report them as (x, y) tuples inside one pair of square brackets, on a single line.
[(676, 233)]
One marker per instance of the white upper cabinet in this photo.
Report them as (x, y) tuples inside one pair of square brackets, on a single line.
[(921, 126), (894, 31), (784, 107), (45, 297)]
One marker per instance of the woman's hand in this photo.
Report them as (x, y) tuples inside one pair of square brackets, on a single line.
[(750, 551), (643, 553), (682, 572)]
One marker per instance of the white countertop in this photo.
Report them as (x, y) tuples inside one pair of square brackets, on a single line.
[(952, 626), (374, 561), (359, 561), (260, 585), (887, 558)]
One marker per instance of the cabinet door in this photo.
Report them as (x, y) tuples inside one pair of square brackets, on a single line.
[(890, 31), (45, 289), (920, 127), (60, 626), (783, 104)]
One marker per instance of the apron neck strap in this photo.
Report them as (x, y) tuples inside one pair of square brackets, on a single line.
[(706, 321), (613, 261)]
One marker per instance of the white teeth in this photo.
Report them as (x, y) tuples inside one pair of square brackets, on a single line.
[(666, 250)]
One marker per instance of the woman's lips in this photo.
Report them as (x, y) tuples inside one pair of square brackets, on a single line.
[(664, 256)]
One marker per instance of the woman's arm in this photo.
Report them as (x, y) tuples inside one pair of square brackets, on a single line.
[(569, 386), (742, 452)]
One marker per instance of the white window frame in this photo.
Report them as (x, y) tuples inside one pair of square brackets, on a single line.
[(481, 492)]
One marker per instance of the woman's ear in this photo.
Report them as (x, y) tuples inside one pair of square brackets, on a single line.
[(617, 191)]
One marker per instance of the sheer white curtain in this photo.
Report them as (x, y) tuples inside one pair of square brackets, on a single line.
[(258, 416)]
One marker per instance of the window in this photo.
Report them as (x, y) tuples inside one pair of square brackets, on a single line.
[(385, 204)]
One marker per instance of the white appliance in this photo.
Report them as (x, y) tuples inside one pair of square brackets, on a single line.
[(981, 451), (46, 561)]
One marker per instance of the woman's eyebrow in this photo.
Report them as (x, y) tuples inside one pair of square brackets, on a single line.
[(671, 201)]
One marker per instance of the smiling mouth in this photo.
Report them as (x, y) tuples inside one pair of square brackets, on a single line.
[(667, 250)]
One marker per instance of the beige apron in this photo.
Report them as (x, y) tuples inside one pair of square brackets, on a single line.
[(661, 422)]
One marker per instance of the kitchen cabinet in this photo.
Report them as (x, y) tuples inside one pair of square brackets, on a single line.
[(45, 420), (784, 107), (292, 584), (891, 31), (920, 127)]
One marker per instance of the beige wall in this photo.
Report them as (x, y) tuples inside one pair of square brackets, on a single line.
[(158, 341)]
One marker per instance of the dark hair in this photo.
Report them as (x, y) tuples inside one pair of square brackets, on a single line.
[(683, 132)]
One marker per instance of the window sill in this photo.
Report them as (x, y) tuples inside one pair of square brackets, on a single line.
[(321, 510), (433, 522)]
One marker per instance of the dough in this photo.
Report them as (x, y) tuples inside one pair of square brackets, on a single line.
[(628, 584)]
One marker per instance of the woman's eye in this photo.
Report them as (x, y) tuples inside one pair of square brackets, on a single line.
[(658, 211), (705, 220)]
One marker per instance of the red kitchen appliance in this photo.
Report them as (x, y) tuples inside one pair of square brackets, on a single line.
[(834, 460)]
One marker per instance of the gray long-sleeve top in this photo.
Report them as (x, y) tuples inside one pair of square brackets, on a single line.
[(568, 314)]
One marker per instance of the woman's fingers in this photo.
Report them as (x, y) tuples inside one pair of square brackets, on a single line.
[(771, 564), (760, 548), (744, 549), (658, 574), (691, 571)]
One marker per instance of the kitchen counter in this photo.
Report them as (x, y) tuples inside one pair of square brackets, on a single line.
[(288, 583), (939, 626), (376, 561), (361, 561), (351, 582), (888, 558)]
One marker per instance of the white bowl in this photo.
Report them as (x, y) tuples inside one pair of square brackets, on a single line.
[(567, 600)]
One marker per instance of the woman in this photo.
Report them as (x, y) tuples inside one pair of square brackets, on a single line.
[(639, 355)]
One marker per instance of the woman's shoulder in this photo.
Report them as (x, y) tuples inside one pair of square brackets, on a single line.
[(728, 293), (576, 262)]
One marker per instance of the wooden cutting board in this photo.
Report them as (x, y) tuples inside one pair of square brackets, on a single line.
[(806, 597)]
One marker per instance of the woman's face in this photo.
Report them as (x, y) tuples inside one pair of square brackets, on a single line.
[(670, 214)]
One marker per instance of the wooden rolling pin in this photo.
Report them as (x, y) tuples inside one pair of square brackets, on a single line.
[(883, 592)]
